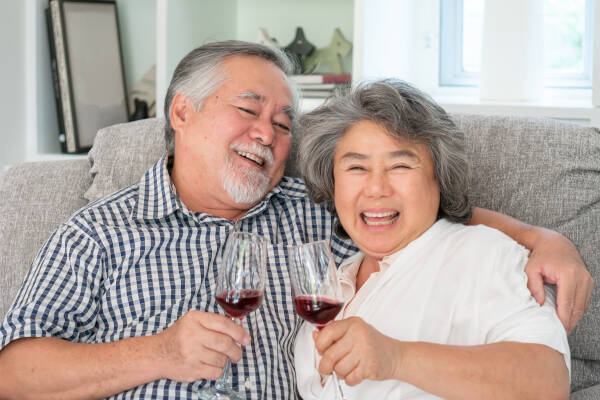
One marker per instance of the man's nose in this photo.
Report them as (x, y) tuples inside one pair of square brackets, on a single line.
[(263, 132)]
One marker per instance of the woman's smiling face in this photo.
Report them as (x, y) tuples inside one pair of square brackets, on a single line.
[(386, 194)]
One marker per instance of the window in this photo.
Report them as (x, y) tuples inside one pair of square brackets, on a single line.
[(567, 42)]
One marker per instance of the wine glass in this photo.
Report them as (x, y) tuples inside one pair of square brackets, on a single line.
[(240, 289), (316, 287)]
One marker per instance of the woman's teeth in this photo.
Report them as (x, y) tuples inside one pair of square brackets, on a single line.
[(380, 218), (252, 157)]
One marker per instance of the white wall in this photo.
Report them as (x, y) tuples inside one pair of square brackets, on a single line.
[(213, 21), (138, 33), (12, 82)]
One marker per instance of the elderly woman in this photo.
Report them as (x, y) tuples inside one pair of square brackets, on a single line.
[(434, 308)]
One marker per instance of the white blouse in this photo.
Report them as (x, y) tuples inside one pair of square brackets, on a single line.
[(456, 285)]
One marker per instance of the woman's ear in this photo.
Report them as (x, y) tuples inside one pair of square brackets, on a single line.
[(180, 107)]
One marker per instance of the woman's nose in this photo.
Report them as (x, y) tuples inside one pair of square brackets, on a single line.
[(377, 185)]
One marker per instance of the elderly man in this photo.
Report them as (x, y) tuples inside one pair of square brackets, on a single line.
[(120, 301)]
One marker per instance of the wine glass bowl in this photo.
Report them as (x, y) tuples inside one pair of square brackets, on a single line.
[(317, 310), (315, 285), (240, 291), (239, 303)]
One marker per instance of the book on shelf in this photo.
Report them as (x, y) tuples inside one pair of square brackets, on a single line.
[(317, 86), (87, 69), (322, 78), (315, 93)]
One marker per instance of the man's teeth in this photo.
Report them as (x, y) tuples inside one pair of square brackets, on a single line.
[(252, 157), (386, 215)]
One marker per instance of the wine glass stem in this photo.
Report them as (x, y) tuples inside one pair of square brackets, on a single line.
[(223, 384), (338, 387)]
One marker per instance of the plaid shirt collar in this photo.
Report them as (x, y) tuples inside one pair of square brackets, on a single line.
[(157, 197)]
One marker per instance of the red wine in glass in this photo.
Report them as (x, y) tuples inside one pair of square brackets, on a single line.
[(317, 310), (239, 303)]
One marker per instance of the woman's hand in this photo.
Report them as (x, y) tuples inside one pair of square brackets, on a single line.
[(357, 351), (555, 260)]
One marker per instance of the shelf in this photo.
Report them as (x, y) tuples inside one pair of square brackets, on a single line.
[(56, 157), (159, 33)]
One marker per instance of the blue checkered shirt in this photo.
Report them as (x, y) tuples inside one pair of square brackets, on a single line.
[(133, 263)]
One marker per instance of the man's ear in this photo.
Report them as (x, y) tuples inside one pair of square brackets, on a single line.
[(179, 111)]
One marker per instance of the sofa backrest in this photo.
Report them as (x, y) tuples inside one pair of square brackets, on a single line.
[(36, 199)]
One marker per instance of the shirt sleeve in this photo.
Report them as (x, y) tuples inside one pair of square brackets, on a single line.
[(508, 311), (58, 295), (306, 361)]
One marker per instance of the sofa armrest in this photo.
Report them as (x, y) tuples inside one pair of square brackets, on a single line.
[(36, 199)]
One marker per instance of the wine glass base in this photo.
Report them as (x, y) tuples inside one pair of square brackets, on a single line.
[(214, 394)]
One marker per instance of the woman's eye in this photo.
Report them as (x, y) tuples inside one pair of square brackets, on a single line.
[(400, 167), (356, 168)]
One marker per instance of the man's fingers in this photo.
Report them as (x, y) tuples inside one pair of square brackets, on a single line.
[(580, 303), (535, 284), (213, 358), (211, 372), (223, 344), (222, 324), (565, 300)]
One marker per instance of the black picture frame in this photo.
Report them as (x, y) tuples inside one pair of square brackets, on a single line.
[(88, 71)]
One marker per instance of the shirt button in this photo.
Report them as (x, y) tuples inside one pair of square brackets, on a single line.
[(248, 384)]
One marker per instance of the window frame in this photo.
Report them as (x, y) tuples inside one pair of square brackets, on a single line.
[(452, 73)]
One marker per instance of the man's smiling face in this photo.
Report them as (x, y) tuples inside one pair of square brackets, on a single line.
[(236, 145)]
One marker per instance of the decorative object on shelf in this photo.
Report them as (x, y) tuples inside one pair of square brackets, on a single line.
[(145, 90), (300, 48), (330, 59), (320, 85), (265, 39), (321, 70), (87, 66), (140, 110)]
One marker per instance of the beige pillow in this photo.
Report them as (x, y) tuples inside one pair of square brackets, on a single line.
[(122, 153)]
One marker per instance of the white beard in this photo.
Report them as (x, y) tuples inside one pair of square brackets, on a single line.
[(244, 184)]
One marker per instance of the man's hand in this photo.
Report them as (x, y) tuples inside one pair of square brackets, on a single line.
[(357, 351), (198, 344), (555, 260)]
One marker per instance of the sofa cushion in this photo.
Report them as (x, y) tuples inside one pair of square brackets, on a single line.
[(546, 173), (36, 199), (122, 153)]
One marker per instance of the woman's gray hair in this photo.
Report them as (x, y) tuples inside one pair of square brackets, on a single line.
[(200, 73), (406, 113)]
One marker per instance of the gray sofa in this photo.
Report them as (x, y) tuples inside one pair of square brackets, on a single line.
[(543, 172)]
